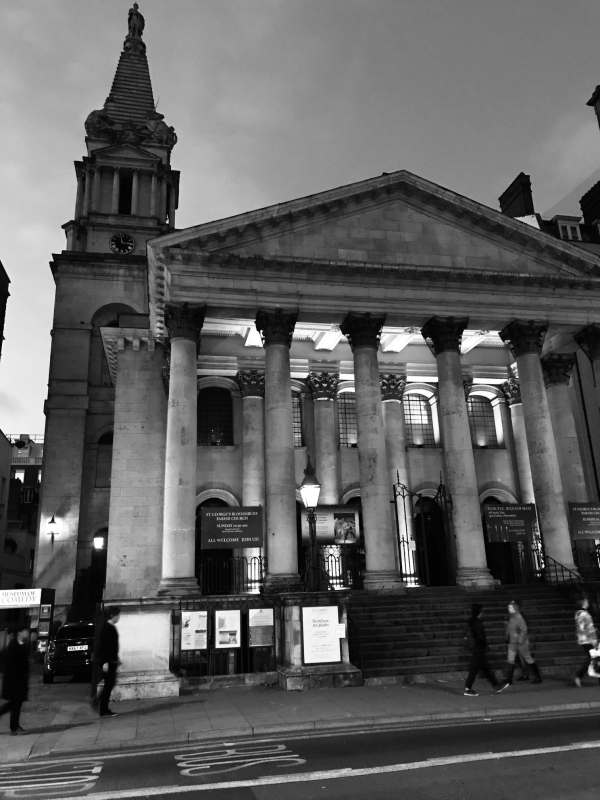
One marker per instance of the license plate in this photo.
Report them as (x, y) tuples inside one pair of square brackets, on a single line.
[(71, 648)]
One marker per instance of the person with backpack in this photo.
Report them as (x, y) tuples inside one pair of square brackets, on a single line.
[(587, 637), (478, 643), (518, 645)]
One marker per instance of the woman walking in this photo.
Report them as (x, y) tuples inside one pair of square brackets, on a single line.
[(518, 645), (587, 637), (15, 685)]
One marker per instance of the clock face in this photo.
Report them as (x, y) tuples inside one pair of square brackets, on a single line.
[(122, 243)]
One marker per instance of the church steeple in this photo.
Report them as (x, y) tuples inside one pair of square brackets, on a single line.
[(126, 189)]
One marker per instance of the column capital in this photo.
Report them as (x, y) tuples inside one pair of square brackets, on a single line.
[(524, 336), (276, 326), (362, 330), (184, 321), (557, 368), (251, 382), (323, 385), (444, 333), (512, 391), (588, 339), (392, 386)]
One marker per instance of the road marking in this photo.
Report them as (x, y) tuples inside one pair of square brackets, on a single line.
[(43, 781), (218, 758), (336, 774)]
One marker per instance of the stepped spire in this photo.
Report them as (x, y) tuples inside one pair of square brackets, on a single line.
[(129, 113)]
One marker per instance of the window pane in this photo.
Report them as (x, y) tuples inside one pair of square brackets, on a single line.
[(481, 422), (417, 421), (297, 418), (215, 417), (347, 419)]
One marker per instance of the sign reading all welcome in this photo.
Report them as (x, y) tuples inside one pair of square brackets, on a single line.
[(231, 527)]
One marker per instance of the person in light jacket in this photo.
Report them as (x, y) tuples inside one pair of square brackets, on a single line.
[(587, 637), (518, 644)]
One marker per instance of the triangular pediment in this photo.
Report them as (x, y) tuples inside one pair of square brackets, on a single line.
[(125, 152), (396, 218)]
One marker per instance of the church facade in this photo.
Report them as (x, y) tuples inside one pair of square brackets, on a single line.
[(424, 354)]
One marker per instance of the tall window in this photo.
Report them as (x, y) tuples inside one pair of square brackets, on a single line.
[(215, 417), (125, 190), (347, 419), (481, 421), (104, 460), (297, 419), (418, 421)]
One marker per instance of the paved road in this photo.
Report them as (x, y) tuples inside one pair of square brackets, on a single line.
[(554, 758)]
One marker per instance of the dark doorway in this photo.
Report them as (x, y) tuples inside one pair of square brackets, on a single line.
[(213, 567), (430, 536), (509, 562)]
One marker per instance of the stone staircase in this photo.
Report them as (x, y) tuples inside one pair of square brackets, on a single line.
[(420, 634)]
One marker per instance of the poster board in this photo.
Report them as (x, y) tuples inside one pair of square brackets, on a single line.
[(231, 527), (321, 634), (260, 627), (194, 630), (334, 525), (227, 628), (510, 522), (584, 520)]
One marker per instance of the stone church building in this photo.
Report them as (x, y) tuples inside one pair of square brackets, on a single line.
[(425, 354)]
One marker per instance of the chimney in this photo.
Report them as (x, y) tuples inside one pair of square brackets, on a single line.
[(517, 199)]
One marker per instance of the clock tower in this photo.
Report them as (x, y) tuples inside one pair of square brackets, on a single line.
[(127, 193)]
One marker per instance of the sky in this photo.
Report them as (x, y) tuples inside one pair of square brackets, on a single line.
[(277, 99)]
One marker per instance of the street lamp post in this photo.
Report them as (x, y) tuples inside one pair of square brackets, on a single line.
[(309, 492)]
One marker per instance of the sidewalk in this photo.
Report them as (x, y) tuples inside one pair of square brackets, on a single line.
[(59, 721)]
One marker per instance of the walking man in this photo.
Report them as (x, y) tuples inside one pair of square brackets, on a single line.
[(108, 657), (479, 646), (518, 644), (587, 637), (15, 685)]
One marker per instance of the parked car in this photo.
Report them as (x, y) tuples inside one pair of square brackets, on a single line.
[(69, 651)]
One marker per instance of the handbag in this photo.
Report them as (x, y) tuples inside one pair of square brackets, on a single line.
[(594, 667)]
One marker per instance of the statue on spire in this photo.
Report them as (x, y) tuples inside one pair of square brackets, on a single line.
[(136, 22)]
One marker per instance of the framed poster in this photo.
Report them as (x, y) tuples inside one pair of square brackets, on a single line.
[(584, 520), (321, 634), (333, 524), (227, 629), (194, 630), (260, 627), (510, 522)]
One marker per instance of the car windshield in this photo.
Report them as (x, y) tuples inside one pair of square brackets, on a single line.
[(76, 632)]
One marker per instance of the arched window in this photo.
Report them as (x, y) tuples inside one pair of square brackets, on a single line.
[(346, 407), (104, 460), (418, 420), (215, 417), (482, 421), (298, 419)]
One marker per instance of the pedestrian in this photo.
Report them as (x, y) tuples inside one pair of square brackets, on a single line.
[(108, 656), (15, 685), (96, 674), (478, 641), (587, 637), (518, 645)]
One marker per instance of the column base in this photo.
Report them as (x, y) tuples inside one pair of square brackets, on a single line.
[(383, 580), (289, 582), (178, 587), (475, 578)]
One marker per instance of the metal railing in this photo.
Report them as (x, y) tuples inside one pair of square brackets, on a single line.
[(231, 574), (339, 567), (555, 572)]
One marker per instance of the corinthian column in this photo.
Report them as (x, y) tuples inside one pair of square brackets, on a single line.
[(557, 374), (184, 324), (363, 332), (512, 392), (276, 328), (525, 339), (323, 386), (443, 334)]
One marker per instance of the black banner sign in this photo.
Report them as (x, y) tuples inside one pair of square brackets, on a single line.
[(510, 522), (584, 520), (230, 527)]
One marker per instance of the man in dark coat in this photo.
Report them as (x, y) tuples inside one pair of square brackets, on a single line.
[(15, 685), (107, 654), (479, 646)]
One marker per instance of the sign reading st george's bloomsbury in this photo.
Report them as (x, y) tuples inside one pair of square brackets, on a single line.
[(231, 527)]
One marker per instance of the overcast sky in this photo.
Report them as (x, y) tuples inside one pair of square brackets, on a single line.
[(276, 99)]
